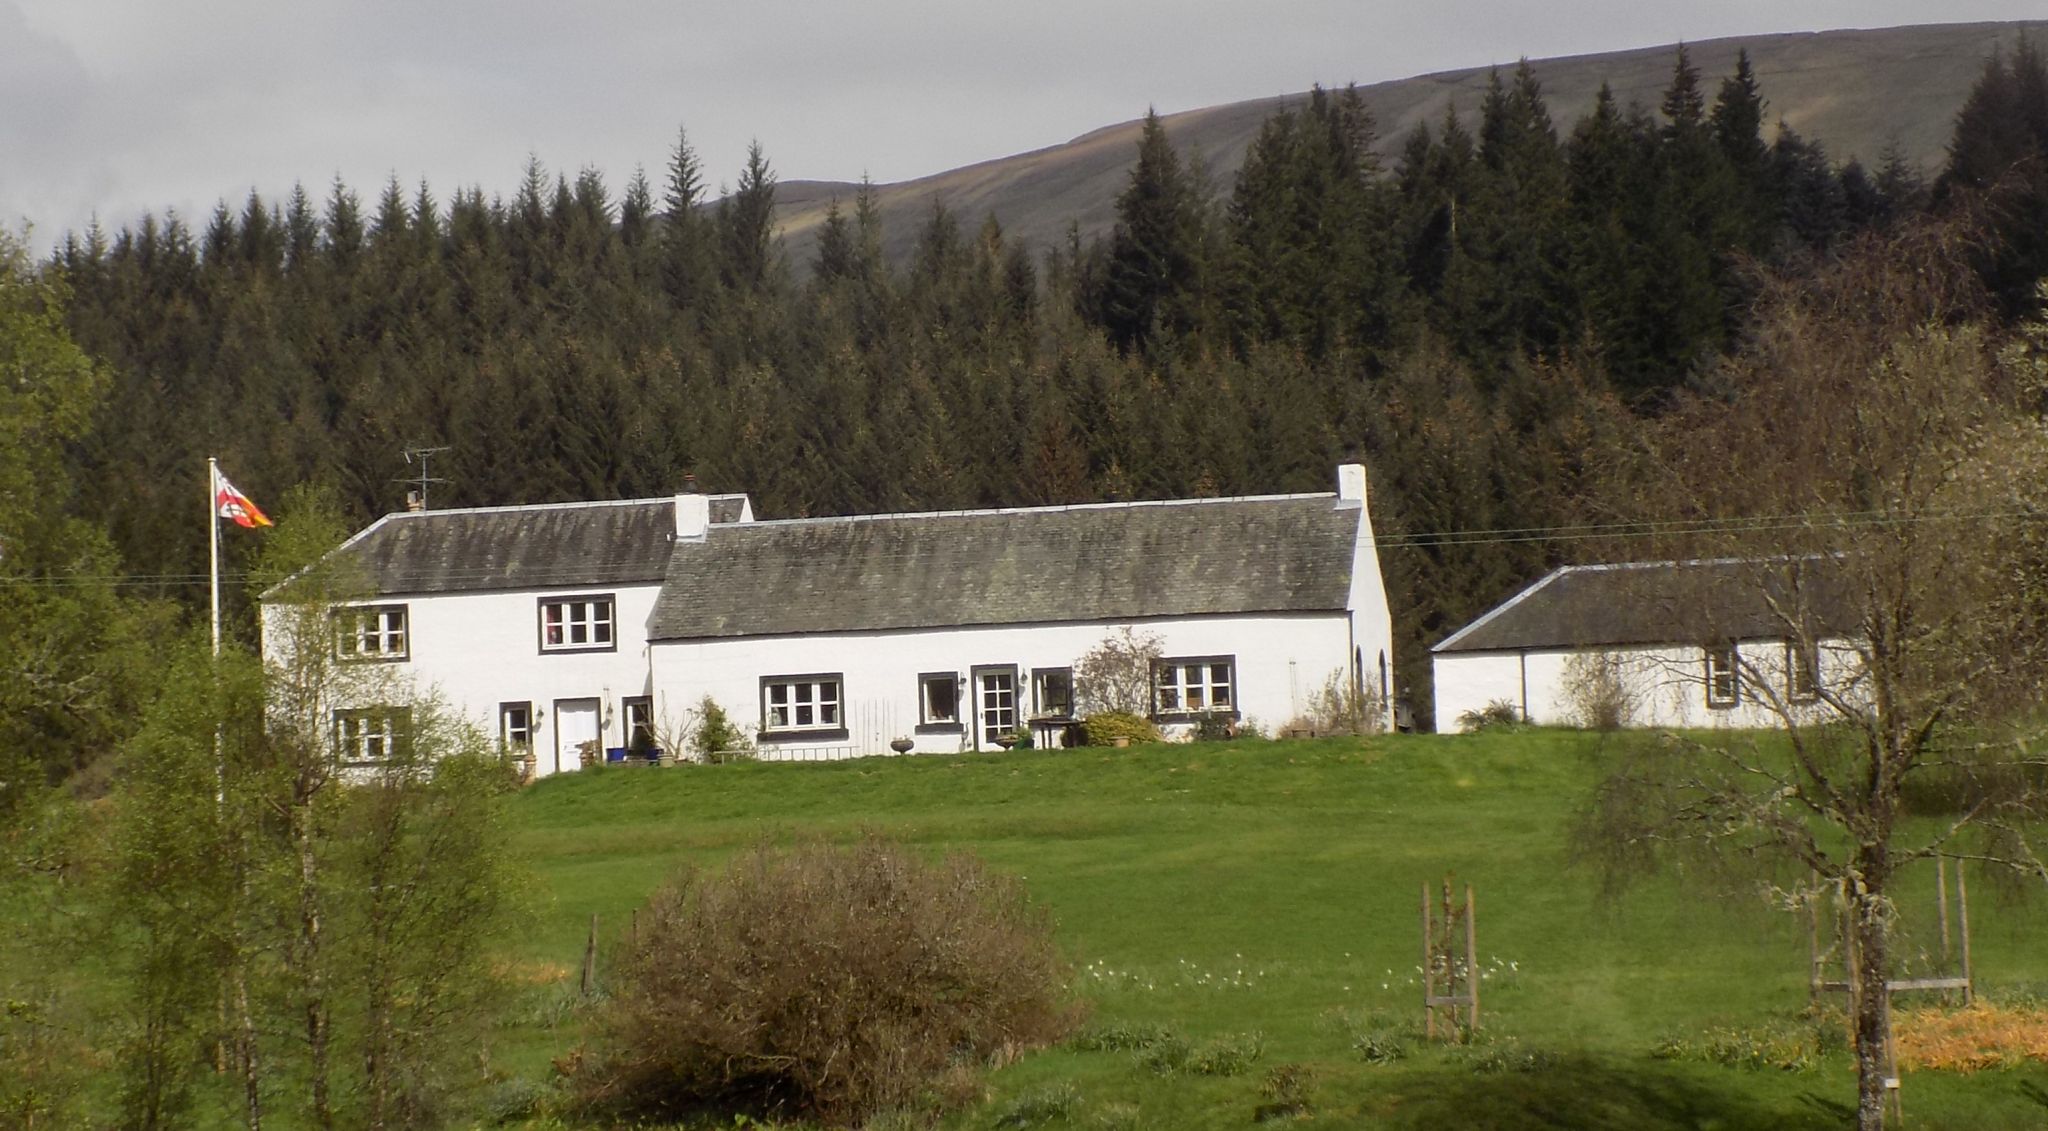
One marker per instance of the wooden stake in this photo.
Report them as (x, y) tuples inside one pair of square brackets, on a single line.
[(590, 959), (1472, 956), (1963, 907), (1428, 976), (1813, 945), (1941, 900)]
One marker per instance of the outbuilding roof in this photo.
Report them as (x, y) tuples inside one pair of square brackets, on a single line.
[(1286, 553), (544, 546), (1678, 602)]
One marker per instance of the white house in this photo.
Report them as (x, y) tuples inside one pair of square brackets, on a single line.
[(558, 625), (1720, 643)]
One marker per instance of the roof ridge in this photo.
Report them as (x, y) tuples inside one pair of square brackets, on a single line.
[(1057, 508), (508, 508)]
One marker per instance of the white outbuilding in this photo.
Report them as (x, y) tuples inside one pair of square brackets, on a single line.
[(1714, 643)]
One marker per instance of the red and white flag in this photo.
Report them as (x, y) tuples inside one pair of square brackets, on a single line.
[(230, 503)]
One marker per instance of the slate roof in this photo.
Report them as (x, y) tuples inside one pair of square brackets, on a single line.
[(1120, 562), (548, 546), (1642, 603)]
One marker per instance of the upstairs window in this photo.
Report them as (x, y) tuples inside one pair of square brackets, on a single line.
[(367, 736), (1724, 680), (1195, 686), (371, 632), (577, 624), (798, 703)]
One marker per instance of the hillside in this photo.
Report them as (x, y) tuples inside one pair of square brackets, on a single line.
[(1855, 91)]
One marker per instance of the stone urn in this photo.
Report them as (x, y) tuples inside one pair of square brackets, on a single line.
[(902, 745), (1005, 740)]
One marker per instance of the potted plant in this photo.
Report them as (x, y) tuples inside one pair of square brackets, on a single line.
[(902, 744)]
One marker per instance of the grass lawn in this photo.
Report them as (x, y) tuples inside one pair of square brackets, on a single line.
[(1265, 895)]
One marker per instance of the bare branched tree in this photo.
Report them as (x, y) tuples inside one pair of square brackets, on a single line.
[(1868, 471)]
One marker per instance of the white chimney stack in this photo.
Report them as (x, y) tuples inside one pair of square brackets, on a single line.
[(1351, 483), (693, 516)]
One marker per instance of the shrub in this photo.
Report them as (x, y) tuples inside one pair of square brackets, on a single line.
[(1343, 706), (1213, 726), (822, 983), (1053, 1103), (716, 738), (1116, 675), (1105, 727), (1598, 693), (1495, 715)]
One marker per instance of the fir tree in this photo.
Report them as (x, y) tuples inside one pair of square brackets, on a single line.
[(1152, 275)]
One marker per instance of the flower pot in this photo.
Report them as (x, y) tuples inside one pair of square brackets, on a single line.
[(1120, 740)]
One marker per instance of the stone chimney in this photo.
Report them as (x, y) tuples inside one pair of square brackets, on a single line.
[(415, 502)]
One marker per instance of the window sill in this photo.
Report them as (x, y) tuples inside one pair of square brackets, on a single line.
[(373, 659), (577, 649), (1194, 716), (813, 734), (940, 728)]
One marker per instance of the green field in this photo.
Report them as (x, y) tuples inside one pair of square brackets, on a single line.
[(1229, 890)]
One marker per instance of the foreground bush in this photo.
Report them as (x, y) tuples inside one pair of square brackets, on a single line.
[(823, 983), (1105, 727)]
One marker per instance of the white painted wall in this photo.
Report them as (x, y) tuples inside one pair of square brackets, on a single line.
[(476, 650), (1372, 619), (1280, 661), (1669, 684)]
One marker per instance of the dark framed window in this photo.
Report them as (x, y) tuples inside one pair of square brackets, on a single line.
[(372, 632), (1052, 693), (799, 704), (938, 702), (636, 712), (1194, 685), (582, 623), (367, 736), (1724, 679), (515, 725), (1802, 673)]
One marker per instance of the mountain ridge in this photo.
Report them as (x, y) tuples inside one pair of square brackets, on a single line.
[(1854, 90)]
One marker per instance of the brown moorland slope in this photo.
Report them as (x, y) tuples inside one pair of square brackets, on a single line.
[(1854, 91)]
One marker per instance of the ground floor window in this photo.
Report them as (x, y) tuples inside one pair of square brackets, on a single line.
[(368, 735), (1052, 693), (1724, 679), (637, 713), (938, 700), (805, 702), (1802, 674), (1195, 685), (515, 725)]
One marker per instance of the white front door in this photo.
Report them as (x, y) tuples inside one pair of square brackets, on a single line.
[(575, 724)]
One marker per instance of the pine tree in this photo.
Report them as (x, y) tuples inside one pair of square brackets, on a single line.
[(1152, 276), (747, 226)]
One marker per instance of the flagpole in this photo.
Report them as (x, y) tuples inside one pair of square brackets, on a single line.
[(213, 543)]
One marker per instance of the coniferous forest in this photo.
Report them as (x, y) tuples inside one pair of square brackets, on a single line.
[(1478, 319)]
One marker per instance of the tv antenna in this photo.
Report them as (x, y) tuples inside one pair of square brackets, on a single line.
[(416, 499)]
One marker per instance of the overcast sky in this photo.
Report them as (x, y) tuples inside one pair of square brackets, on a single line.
[(114, 107)]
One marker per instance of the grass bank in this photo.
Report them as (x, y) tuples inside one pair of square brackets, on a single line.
[(1259, 900)]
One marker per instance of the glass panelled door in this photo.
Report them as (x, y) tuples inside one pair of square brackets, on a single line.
[(995, 695)]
